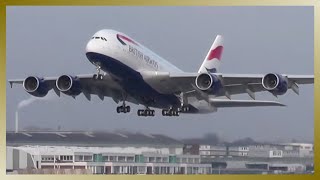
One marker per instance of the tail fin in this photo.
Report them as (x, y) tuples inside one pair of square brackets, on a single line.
[(212, 61)]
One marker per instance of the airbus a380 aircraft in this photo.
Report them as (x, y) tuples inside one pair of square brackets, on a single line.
[(133, 73)]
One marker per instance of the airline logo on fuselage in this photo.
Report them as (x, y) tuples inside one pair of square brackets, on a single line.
[(135, 52), (123, 38)]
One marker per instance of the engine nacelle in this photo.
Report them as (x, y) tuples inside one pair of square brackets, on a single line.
[(275, 83), (35, 86), (69, 85), (209, 82)]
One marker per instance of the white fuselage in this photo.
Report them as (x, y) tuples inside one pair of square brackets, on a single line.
[(124, 58), (134, 55)]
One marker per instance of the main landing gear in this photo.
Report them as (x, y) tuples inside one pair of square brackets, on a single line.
[(170, 112), (185, 109), (123, 108), (146, 112), (175, 112)]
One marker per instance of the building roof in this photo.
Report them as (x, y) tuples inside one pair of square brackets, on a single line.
[(99, 139)]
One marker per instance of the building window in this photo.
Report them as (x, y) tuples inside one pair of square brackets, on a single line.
[(105, 158), (87, 158), (184, 160), (121, 158), (112, 158), (130, 159)]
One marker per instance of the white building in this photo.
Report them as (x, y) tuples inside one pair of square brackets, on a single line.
[(242, 151), (274, 151), (206, 150), (305, 149), (101, 153)]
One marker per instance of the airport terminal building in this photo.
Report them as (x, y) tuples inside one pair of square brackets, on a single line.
[(99, 153), (138, 153)]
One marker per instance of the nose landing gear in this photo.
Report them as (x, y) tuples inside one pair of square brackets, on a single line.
[(98, 75)]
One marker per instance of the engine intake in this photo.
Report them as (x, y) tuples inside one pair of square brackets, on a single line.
[(275, 83), (68, 85), (35, 86), (209, 82)]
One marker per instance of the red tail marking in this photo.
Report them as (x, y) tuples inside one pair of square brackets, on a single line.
[(215, 53)]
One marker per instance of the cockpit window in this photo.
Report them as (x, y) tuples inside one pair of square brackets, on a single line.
[(102, 38)]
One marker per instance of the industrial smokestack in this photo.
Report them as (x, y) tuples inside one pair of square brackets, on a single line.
[(29, 101), (17, 121)]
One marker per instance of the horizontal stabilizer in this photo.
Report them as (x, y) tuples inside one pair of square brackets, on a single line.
[(242, 103)]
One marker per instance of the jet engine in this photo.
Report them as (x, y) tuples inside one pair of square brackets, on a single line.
[(209, 82), (68, 85), (275, 83), (35, 86)]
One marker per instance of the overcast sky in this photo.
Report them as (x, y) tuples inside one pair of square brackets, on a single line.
[(50, 41)]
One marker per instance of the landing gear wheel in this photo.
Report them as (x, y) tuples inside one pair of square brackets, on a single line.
[(97, 76), (127, 108), (123, 109), (164, 112), (145, 112), (139, 112), (184, 109), (170, 112)]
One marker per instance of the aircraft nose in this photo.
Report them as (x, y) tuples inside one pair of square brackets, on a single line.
[(91, 46)]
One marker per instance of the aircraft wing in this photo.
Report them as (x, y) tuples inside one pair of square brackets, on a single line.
[(233, 83), (106, 87), (241, 103)]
